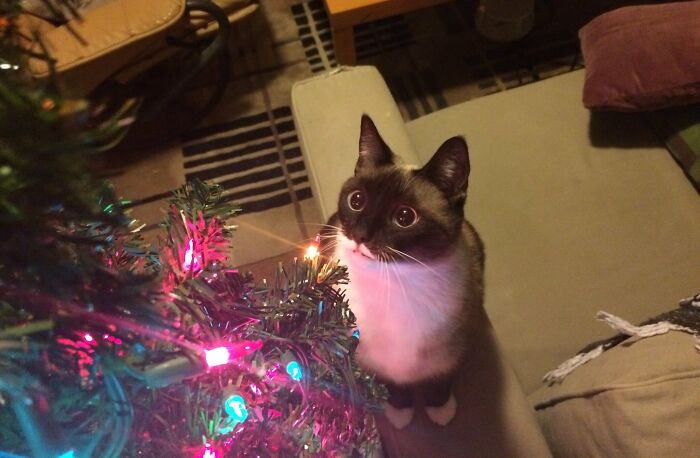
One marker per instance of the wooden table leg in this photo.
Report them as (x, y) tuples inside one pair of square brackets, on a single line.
[(344, 45)]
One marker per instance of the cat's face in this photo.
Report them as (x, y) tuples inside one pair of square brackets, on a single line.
[(394, 213)]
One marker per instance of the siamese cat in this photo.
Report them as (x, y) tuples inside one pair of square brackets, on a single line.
[(416, 271)]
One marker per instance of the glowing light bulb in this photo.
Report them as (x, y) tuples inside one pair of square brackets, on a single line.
[(356, 334), (294, 370), (69, 454), (217, 356), (235, 406), (88, 338), (190, 259), (208, 452), (311, 252)]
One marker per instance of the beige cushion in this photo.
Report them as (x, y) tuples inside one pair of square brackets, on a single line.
[(639, 400), (570, 227), (327, 111)]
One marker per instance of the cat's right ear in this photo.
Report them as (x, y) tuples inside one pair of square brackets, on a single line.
[(449, 169), (373, 151)]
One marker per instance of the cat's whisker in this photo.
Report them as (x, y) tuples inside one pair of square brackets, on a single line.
[(393, 270), (328, 251), (326, 237), (417, 261), (382, 282), (328, 248), (385, 280), (319, 224), (399, 280), (388, 269), (330, 226), (322, 236), (399, 256), (408, 256), (267, 233)]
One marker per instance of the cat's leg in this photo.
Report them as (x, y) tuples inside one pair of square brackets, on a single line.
[(440, 402), (399, 407)]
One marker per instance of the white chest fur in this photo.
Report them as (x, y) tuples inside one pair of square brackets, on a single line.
[(404, 310)]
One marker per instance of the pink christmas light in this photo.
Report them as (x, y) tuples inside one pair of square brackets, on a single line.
[(225, 354), (114, 340), (217, 356), (208, 452), (190, 258), (88, 337)]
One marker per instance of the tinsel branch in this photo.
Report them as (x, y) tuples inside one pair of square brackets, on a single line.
[(111, 347), (302, 317)]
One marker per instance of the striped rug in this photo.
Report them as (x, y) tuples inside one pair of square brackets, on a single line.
[(256, 159)]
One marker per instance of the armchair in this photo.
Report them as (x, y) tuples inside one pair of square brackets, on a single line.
[(115, 43)]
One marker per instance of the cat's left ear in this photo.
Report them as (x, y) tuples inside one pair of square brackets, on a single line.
[(448, 169)]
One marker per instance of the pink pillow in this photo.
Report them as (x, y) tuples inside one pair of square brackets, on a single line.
[(642, 57)]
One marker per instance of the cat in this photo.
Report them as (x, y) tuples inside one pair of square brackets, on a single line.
[(415, 267)]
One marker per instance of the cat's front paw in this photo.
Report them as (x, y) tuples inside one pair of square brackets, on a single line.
[(445, 413), (399, 418)]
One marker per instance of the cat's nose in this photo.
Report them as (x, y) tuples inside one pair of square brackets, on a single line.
[(361, 236)]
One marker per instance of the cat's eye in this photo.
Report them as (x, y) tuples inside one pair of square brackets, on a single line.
[(357, 200), (405, 216)]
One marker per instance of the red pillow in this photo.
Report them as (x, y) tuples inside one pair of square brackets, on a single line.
[(642, 57)]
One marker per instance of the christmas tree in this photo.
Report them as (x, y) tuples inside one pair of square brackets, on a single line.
[(110, 347)]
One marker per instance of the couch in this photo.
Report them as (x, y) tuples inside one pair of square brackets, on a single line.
[(579, 212)]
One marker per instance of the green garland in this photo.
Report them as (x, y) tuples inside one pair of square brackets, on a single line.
[(104, 340)]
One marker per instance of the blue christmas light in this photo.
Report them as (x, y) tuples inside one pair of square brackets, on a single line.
[(356, 334), (235, 408), (294, 370), (69, 454), (10, 455)]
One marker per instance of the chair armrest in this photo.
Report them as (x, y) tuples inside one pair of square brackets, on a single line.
[(327, 111), (108, 37), (235, 10)]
